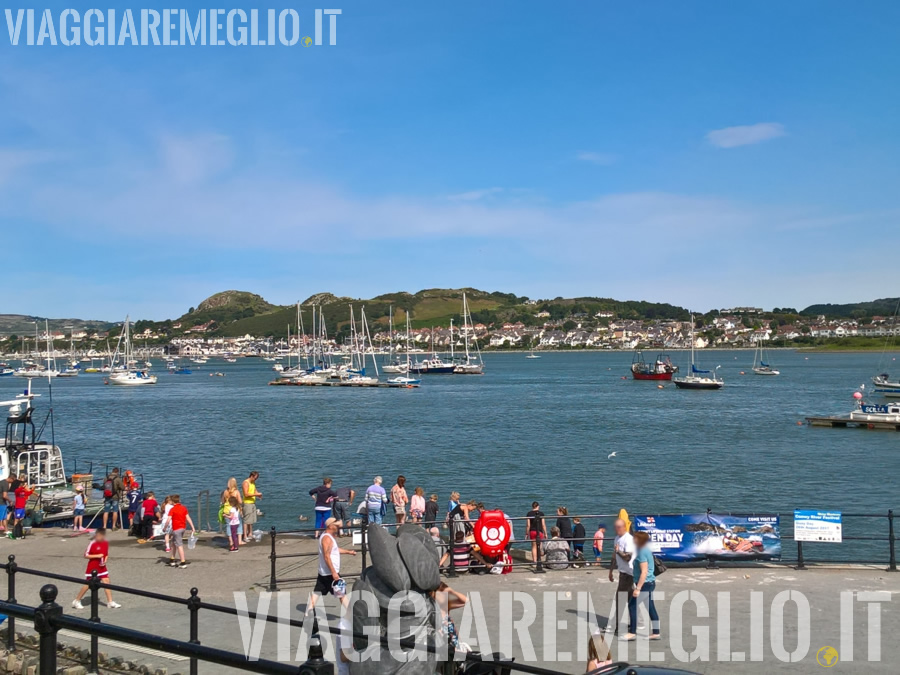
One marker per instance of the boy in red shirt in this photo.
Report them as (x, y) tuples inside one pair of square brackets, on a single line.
[(151, 515), (96, 553), (22, 492), (180, 518)]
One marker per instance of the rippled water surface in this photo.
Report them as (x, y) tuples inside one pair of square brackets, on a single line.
[(528, 429)]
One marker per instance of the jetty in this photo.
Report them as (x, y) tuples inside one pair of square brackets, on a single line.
[(342, 383), (848, 422)]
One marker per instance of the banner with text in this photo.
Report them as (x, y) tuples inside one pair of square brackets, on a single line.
[(812, 525), (686, 537)]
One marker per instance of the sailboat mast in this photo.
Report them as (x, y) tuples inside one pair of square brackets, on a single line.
[(466, 325), (692, 342), (451, 341)]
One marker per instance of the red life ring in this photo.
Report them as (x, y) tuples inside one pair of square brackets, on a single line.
[(492, 533)]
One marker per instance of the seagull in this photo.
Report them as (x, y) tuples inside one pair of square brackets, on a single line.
[(611, 455)]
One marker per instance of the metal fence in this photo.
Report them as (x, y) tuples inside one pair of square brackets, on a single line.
[(48, 619), (877, 529)]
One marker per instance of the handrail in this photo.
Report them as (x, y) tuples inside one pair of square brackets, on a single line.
[(49, 619), (200, 495), (538, 564)]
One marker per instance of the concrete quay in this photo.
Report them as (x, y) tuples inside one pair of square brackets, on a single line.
[(735, 620)]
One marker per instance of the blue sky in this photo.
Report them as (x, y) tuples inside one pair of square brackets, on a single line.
[(702, 153)]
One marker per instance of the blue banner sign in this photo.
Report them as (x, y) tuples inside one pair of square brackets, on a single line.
[(811, 525), (688, 537)]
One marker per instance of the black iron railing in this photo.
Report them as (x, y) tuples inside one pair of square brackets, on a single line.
[(874, 528), (48, 619)]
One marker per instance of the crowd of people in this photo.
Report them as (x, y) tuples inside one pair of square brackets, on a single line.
[(14, 494), (559, 548)]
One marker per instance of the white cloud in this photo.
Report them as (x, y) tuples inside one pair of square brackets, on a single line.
[(734, 137), (194, 159), (14, 161), (534, 245), (474, 195), (600, 158)]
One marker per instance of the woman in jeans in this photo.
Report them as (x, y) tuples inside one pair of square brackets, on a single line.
[(644, 585)]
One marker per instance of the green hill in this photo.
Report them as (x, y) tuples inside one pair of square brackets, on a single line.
[(436, 307), (227, 307), (855, 310)]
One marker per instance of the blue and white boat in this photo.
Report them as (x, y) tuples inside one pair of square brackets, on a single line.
[(698, 379)]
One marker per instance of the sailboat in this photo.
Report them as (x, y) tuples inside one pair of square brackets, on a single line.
[(760, 367), (433, 366), (394, 365), (74, 367), (887, 386), (360, 341), (532, 355), (473, 364), (405, 380), (698, 379), (130, 375)]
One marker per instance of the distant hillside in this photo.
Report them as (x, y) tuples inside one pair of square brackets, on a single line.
[(437, 307), (20, 324), (856, 310), (227, 307)]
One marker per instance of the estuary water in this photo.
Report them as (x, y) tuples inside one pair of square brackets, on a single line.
[(527, 430)]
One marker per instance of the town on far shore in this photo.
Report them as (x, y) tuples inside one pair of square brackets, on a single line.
[(239, 323)]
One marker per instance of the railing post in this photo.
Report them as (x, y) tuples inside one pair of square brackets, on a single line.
[(892, 567), (538, 564), (800, 565), (273, 584), (315, 663), (11, 568), (94, 585), (194, 609), (451, 542), (44, 624), (364, 549)]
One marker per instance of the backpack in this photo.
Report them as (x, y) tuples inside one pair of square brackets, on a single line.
[(108, 488)]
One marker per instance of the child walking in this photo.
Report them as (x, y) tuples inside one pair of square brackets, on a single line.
[(96, 553), (78, 509), (166, 521), (180, 520), (233, 518)]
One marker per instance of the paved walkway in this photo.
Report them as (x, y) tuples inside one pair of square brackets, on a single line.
[(748, 619)]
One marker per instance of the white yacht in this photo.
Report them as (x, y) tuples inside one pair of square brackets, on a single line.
[(698, 379)]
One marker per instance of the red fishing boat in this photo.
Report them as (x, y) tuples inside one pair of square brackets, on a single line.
[(661, 369)]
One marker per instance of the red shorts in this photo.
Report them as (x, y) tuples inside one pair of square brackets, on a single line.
[(535, 534), (101, 573)]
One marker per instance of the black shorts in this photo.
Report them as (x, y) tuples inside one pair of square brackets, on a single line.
[(323, 584)]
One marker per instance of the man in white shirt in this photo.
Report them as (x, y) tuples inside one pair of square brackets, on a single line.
[(623, 554), (329, 561)]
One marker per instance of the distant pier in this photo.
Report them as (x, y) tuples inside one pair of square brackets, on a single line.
[(339, 383)]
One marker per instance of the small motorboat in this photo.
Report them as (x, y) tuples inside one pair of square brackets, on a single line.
[(884, 381), (404, 381), (869, 412)]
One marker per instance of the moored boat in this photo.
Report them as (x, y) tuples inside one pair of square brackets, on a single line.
[(869, 412), (433, 366), (132, 377), (661, 369), (698, 379), (127, 374), (885, 382)]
